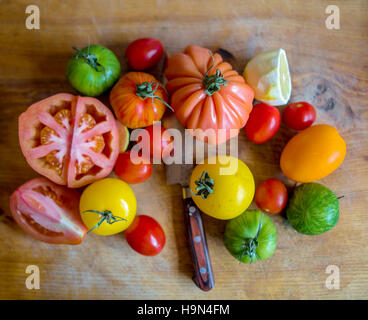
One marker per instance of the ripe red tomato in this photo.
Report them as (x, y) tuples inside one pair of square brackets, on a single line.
[(271, 196), (48, 212), (159, 142), (299, 115), (146, 236), (71, 140), (130, 172), (263, 123), (144, 53)]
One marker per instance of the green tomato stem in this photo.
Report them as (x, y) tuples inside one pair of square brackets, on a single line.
[(251, 244), (205, 186), (146, 90), (91, 59), (213, 83), (106, 216)]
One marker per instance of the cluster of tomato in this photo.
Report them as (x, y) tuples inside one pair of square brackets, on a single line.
[(264, 121), (74, 141)]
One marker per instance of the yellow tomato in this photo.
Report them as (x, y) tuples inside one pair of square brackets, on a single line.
[(222, 187), (108, 206), (313, 154)]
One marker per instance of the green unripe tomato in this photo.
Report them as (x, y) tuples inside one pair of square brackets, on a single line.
[(250, 237), (92, 70)]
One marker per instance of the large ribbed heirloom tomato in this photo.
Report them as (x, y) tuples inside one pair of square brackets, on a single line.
[(206, 93), (71, 140)]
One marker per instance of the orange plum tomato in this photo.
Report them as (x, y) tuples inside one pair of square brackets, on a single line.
[(313, 154)]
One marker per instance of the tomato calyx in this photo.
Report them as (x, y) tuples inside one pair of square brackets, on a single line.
[(204, 186), (214, 82), (146, 90), (91, 59), (251, 244), (106, 216)]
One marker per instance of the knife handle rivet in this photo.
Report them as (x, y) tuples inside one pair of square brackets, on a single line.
[(197, 239), (192, 209), (202, 270)]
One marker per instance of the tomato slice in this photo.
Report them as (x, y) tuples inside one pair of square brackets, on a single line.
[(71, 140), (48, 212)]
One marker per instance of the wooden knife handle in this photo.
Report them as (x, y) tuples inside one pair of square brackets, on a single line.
[(203, 276)]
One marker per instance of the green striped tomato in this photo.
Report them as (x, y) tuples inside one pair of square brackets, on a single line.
[(92, 70)]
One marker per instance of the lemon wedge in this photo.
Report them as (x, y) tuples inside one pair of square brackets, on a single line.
[(268, 74), (124, 137)]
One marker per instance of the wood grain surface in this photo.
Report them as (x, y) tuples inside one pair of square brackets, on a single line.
[(329, 69)]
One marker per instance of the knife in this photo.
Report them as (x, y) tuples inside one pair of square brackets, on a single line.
[(180, 174)]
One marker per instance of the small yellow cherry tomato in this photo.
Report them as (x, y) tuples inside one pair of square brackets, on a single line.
[(108, 206), (222, 187), (313, 154)]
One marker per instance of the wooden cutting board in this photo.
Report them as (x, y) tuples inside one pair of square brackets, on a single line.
[(329, 69)]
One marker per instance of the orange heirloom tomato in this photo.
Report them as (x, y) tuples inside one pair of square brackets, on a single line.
[(313, 154), (138, 100), (206, 93)]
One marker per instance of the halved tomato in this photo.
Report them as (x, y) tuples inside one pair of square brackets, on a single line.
[(71, 140), (48, 212)]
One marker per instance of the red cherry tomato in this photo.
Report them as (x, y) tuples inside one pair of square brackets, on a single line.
[(146, 236), (299, 115), (263, 123), (271, 196), (159, 142), (144, 53), (130, 172)]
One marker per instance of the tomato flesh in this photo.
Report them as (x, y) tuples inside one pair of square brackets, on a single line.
[(48, 135), (48, 212), (146, 236), (271, 196), (71, 140)]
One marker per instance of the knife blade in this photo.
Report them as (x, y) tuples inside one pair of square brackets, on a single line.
[(180, 174)]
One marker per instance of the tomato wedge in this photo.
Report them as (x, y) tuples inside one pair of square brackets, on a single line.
[(48, 212), (71, 140)]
